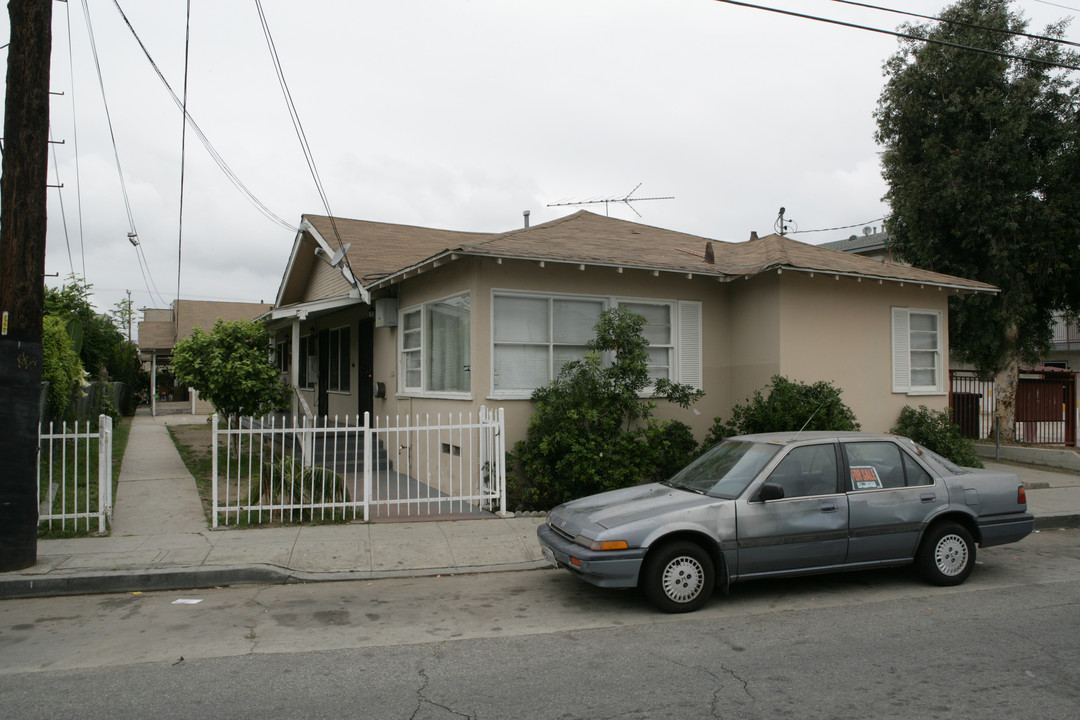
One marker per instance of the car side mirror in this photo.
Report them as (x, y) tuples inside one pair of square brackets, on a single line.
[(771, 491)]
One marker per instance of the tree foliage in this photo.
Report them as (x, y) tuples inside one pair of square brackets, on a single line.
[(231, 368), (788, 406), (60, 365), (94, 336), (981, 157), (592, 430)]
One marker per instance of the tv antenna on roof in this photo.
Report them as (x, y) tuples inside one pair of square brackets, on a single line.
[(625, 199)]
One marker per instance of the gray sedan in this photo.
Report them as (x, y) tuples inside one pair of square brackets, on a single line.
[(784, 504)]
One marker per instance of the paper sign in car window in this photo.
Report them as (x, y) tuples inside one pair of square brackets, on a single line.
[(865, 477)]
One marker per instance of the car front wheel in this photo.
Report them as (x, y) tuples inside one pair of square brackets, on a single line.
[(947, 554), (678, 577)]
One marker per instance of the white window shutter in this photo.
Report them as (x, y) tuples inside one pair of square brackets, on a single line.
[(689, 347), (901, 351)]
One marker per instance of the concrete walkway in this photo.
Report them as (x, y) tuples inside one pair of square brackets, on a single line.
[(161, 538)]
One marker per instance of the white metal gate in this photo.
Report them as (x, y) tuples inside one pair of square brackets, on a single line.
[(401, 468), (68, 467)]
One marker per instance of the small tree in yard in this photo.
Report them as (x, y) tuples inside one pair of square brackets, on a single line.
[(788, 406), (230, 366), (586, 435)]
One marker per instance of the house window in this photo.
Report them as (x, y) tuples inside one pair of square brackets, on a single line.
[(339, 361), (435, 351), (657, 331), (917, 340), (534, 336), (308, 362), (282, 355)]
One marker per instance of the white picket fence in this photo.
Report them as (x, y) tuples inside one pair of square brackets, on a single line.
[(274, 470), (65, 498)]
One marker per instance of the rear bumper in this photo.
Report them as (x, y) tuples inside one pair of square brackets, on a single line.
[(612, 568), (1002, 529)]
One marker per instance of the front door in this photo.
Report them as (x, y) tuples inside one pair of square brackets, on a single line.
[(365, 367), (807, 528), (323, 381)]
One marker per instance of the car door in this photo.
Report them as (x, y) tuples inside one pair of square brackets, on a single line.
[(807, 528), (890, 498)]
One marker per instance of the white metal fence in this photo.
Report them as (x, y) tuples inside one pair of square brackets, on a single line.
[(274, 470), (74, 475)]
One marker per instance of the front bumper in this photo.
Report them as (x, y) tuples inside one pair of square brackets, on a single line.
[(610, 568), (1002, 529)]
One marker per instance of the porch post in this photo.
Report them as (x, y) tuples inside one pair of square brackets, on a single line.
[(294, 366), (153, 384)]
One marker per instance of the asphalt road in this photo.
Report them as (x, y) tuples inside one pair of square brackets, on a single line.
[(543, 645)]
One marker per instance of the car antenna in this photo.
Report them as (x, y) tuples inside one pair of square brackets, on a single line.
[(808, 420)]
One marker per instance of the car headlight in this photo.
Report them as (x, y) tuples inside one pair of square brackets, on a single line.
[(600, 545)]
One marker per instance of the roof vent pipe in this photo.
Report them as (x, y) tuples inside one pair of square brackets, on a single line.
[(710, 256), (526, 214), (753, 235)]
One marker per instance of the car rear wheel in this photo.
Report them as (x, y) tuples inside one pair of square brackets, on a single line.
[(678, 577), (947, 554)]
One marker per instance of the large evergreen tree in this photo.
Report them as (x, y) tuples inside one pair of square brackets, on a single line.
[(980, 153)]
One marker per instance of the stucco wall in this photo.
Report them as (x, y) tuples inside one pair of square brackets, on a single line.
[(839, 330)]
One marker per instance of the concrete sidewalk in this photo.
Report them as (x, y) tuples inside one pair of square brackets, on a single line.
[(161, 538)]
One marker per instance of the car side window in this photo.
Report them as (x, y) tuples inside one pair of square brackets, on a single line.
[(882, 465), (806, 471), (916, 475)]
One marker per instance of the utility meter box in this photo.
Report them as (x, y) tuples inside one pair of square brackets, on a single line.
[(386, 312)]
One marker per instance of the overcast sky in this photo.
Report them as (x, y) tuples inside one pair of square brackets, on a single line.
[(455, 114)]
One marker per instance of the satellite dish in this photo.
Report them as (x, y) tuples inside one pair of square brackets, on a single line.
[(867, 230), (339, 255)]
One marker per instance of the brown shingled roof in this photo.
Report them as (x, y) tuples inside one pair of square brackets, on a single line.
[(380, 250)]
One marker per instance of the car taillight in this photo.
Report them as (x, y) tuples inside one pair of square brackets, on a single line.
[(1021, 495)]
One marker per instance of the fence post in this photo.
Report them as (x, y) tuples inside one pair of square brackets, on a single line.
[(214, 470), (367, 465), (104, 470)]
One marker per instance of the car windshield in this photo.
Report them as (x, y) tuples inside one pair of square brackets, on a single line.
[(726, 469)]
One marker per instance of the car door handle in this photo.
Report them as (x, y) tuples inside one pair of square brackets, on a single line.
[(928, 497), (829, 507)]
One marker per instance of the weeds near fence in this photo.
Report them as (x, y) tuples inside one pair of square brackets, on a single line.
[(281, 481)]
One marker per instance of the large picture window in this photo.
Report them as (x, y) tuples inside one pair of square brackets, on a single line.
[(917, 342), (435, 352), (533, 336)]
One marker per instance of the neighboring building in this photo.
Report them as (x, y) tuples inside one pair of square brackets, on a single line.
[(161, 329), (421, 321), (873, 244)]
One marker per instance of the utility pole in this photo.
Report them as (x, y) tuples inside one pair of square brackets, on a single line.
[(23, 204)]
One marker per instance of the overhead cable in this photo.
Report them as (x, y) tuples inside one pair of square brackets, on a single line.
[(214, 154), (905, 36)]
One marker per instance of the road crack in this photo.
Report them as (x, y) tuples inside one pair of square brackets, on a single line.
[(421, 698)]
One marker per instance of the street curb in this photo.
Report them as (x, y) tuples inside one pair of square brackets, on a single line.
[(151, 579), (1057, 522)]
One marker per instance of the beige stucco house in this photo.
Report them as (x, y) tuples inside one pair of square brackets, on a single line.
[(161, 328), (405, 320)]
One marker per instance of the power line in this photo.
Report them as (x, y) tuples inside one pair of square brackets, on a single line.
[(905, 36), (75, 143), (133, 234), (839, 227), (217, 158), (298, 127), (63, 214), (961, 23), (183, 155)]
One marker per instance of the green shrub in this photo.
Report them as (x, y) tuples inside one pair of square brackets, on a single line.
[(285, 480), (788, 406), (585, 436), (935, 429)]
